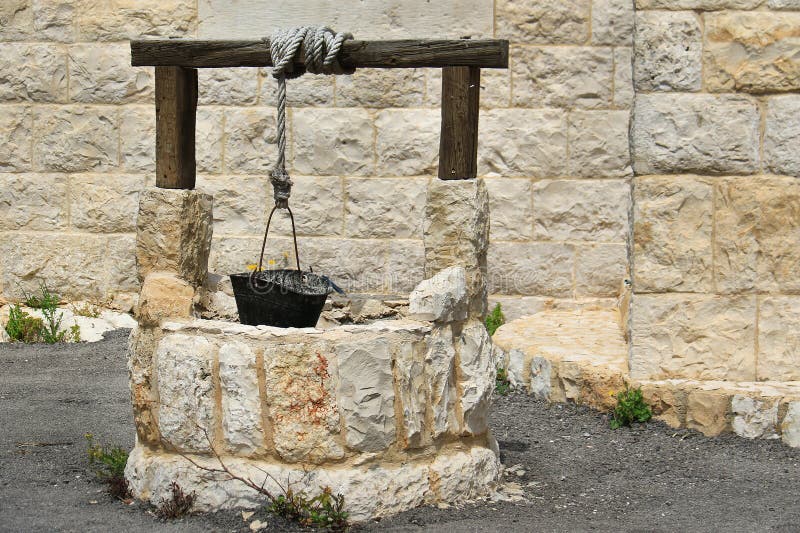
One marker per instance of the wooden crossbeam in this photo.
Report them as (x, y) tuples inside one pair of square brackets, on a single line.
[(409, 53)]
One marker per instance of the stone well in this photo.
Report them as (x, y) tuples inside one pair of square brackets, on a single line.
[(392, 414)]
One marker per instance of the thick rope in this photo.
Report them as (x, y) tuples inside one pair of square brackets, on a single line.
[(322, 46)]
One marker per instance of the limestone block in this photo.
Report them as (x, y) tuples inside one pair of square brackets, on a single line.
[(366, 393), (439, 371), (612, 22), (515, 362), (700, 5), (782, 129), (241, 399), (571, 210), (120, 20), (412, 387), (16, 123), (579, 76), (209, 139), (240, 204), (531, 268), (600, 269), (708, 412), (137, 138), (356, 265), (476, 377), (322, 205), (227, 86), (623, 77), (54, 20), (141, 349), (76, 138), (495, 88), (543, 22), (33, 72), (754, 418), (541, 378), (757, 230), (456, 232), (120, 260), (105, 204), (384, 207), (522, 142), (16, 19), (442, 298), (751, 52), (693, 336), (668, 403), (405, 266), (408, 141), (101, 73), (174, 233), (184, 368), (306, 91), (672, 247), (376, 88), (668, 51), (463, 475), (330, 142), (510, 208), (783, 4), (301, 384), (695, 132), (790, 425), (779, 338), (163, 296), (598, 144), (250, 140), (33, 202)]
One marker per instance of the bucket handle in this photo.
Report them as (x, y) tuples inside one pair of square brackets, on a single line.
[(264, 244)]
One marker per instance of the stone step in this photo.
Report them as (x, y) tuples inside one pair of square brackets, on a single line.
[(581, 356)]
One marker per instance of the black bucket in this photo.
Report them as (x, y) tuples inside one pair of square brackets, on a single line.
[(281, 298)]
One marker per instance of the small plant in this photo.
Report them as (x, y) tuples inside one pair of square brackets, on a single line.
[(176, 506), (630, 408), (109, 462), (87, 310), (44, 300), (324, 510), (502, 385), (23, 327), (495, 319)]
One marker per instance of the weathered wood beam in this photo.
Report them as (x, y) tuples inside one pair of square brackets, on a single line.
[(411, 53), (176, 107), (458, 142)]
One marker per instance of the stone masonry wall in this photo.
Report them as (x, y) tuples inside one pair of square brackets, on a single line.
[(716, 255), (78, 128)]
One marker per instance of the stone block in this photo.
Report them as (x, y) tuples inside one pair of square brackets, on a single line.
[(779, 338), (356, 265), (754, 418), (695, 133), (184, 370), (330, 142), (412, 388), (668, 51), (101, 73), (456, 232), (250, 140), (600, 269), (510, 207), (33, 72), (121, 267), (495, 88), (541, 378), (708, 412), (377, 88), (144, 399), (54, 20), (440, 359), (572, 210), (385, 208), (174, 233), (76, 138), (241, 204), (209, 140), (231, 255), (366, 393), (579, 76), (531, 268), (522, 142), (322, 202), (227, 86), (407, 142), (305, 91), (103, 203), (16, 20), (405, 266), (164, 296), (543, 22), (16, 124), (672, 235), (668, 403), (623, 77), (598, 144), (242, 422), (686, 336), (442, 298), (700, 5), (120, 20), (476, 377), (790, 425), (33, 202), (612, 22), (757, 231), (752, 52), (782, 129), (137, 134)]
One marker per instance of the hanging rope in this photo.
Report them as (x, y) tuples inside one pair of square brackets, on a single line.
[(322, 46)]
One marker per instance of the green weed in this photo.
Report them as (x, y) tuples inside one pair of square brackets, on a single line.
[(87, 310), (630, 408), (177, 505), (109, 466), (25, 328), (44, 300), (495, 319), (324, 510), (502, 385), (22, 327)]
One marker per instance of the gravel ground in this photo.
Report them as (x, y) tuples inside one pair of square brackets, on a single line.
[(574, 473)]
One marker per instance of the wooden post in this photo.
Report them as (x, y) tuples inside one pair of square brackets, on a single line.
[(458, 144), (176, 106)]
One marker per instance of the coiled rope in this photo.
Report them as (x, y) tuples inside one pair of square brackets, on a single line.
[(322, 46)]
